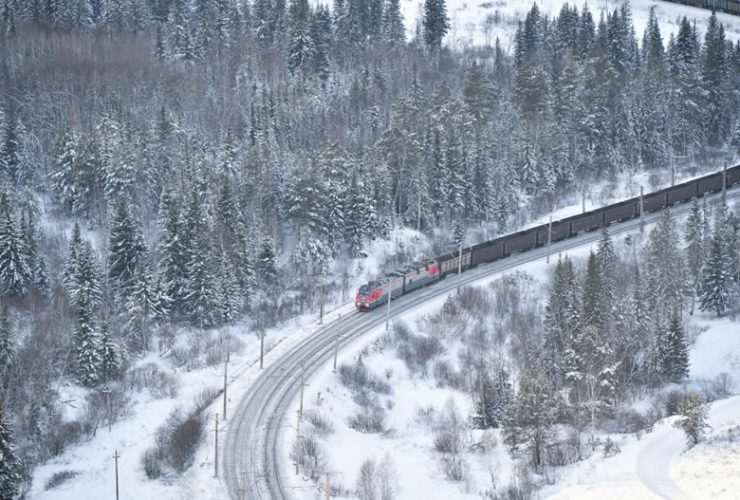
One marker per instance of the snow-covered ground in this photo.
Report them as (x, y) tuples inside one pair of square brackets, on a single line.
[(650, 465)]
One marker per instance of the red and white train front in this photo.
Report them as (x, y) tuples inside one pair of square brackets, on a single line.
[(369, 296)]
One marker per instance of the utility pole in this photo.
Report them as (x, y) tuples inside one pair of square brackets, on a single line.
[(673, 170), (418, 219), (106, 391), (326, 487), (226, 364), (321, 308), (549, 239), (336, 352), (262, 347), (300, 410), (297, 437), (642, 208), (388, 315), (215, 455), (459, 267), (724, 179), (583, 207), (116, 456)]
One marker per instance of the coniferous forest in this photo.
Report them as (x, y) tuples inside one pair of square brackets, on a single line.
[(195, 162)]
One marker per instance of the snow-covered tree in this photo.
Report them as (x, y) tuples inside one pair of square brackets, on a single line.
[(10, 466)]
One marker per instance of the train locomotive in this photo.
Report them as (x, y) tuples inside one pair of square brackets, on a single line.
[(397, 283)]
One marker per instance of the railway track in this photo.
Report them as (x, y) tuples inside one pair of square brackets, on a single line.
[(252, 452)]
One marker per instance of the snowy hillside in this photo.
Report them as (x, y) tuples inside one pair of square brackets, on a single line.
[(477, 22)]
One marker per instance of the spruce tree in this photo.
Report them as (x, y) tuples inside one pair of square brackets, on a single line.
[(7, 346), (63, 178), (10, 159), (716, 285), (394, 31), (113, 355), (15, 274), (674, 362), (10, 466), (86, 349), (435, 22), (127, 247), (173, 270)]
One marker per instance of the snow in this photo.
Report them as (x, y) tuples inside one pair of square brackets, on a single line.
[(480, 22)]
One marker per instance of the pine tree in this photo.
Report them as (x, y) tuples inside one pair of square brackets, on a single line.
[(674, 359), (113, 355), (15, 274), (86, 349), (86, 281), (435, 22), (140, 309), (173, 266), (532, 415), (63, 178), (127, 247), (394, 31), (201, 299), (69, 276), (693, 421), (7, 347), (10, 147), (265, 267), (562, 318), (695, 246), (716, 285), (10, 466)]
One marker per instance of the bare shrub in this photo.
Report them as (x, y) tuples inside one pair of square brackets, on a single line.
[(366, 488), (320, 423), (561, 453), (357, 378), (60, 478), (309, 456), (627, 420), (610, 448), (448, 437), (447, 376), (368, 419), (175, 444), (673, 401), (455, 468), (417, 351), (149, 376), (180, 356), (100, 407), (205, 397), (447, 441), (377, 481)]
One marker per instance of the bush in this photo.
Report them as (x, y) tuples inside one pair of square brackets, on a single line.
[(447, 376), (205, 397), (309, 456), (447, 441), (175, 444), (357, 378), (455, 469), (368, 419), (320, 423), (673, 401), (417, 351), (59, 478), (149, 376), (97, 412)]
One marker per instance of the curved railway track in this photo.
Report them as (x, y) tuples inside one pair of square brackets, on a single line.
[(252, 453)]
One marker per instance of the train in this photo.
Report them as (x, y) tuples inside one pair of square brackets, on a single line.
[(420, 274), (728, 6)]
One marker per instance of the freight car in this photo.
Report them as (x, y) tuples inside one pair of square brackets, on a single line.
[(420, 274), (729, 6)]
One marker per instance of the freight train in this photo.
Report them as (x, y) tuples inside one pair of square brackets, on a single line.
[(400, 282), (729, 6)]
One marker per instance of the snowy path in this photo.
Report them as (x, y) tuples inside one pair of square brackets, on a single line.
[(646, 468), (654, 462)]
